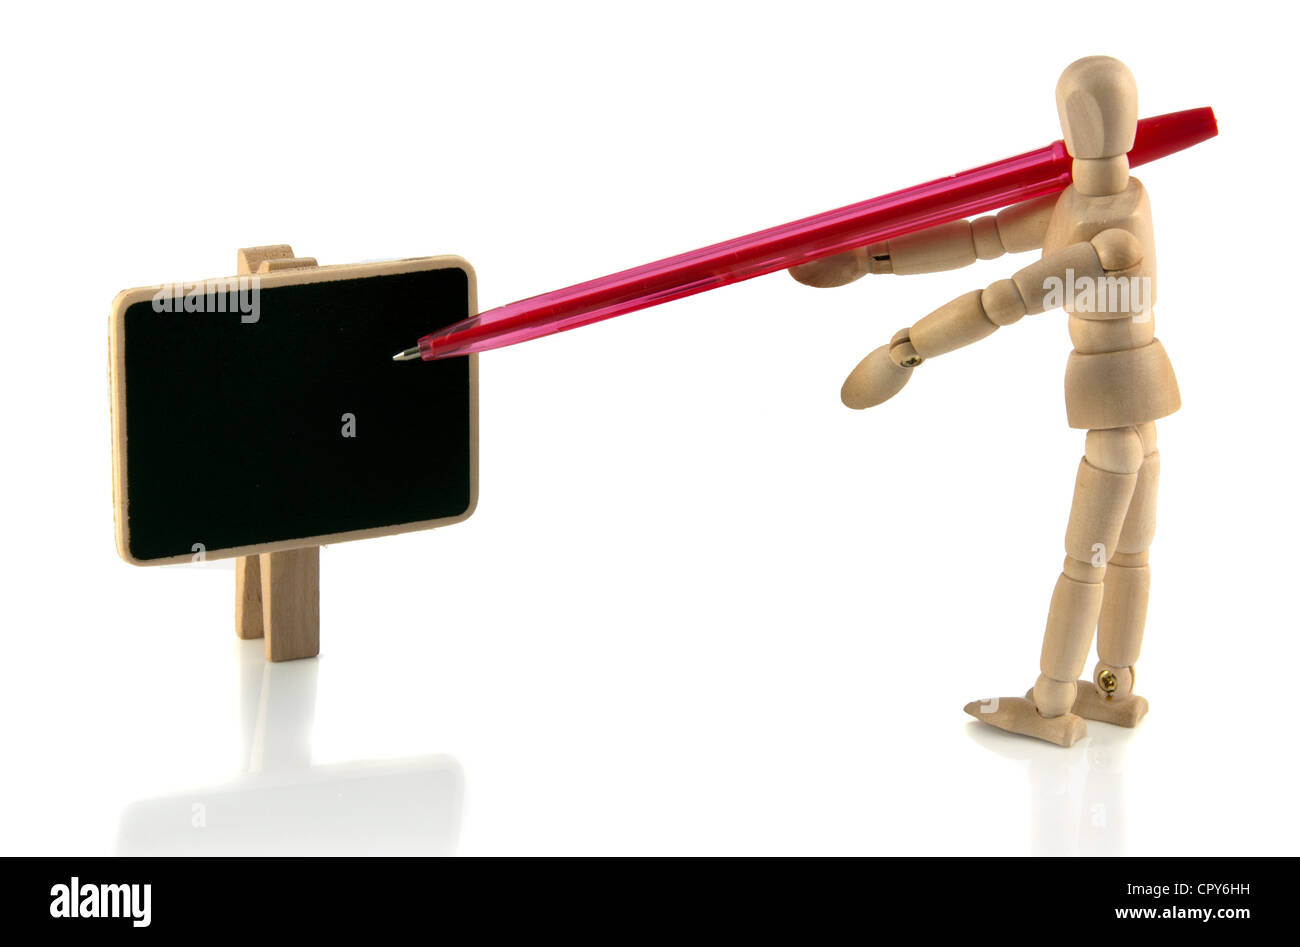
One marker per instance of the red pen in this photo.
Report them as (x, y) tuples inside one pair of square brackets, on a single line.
[(991, 186)]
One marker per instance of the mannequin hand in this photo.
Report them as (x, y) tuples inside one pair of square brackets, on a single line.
[(880, 375), (837, 270)]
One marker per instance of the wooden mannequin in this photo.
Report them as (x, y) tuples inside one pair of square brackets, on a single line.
[(1118, 382)]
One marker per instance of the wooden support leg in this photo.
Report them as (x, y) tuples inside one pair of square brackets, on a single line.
[(291, 603), (277, 594), (248, 572), (248, 597)]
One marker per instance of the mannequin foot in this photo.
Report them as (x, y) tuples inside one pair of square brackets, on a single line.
[(1124, 712), (1019, 715)]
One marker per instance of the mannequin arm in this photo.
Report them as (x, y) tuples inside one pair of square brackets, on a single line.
[(978, 314), (943, 247)]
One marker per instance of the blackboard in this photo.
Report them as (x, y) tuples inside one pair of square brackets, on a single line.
[(274, 416)]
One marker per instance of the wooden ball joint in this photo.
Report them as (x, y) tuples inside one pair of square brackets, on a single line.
[(1118, 381)]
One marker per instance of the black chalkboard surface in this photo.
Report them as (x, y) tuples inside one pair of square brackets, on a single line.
[(247, 428)]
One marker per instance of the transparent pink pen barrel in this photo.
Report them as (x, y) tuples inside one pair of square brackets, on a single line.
[(991, 186)]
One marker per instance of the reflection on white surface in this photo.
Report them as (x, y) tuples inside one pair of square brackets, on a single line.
[(1076, 795), (282, 804)]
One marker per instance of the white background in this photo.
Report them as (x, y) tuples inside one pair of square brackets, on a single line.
[(702, 607)]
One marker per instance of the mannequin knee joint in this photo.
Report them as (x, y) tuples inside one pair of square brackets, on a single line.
[(1118, 450)]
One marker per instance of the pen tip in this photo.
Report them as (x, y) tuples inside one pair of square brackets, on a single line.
[(407, 355)]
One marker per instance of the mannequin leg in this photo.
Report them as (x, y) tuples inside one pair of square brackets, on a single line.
[(1108, 474), (1109, 697)]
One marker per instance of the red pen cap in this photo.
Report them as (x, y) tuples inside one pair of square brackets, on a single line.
[(1162, 135)]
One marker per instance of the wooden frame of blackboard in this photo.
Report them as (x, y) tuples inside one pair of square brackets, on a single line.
[(269, 280)]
